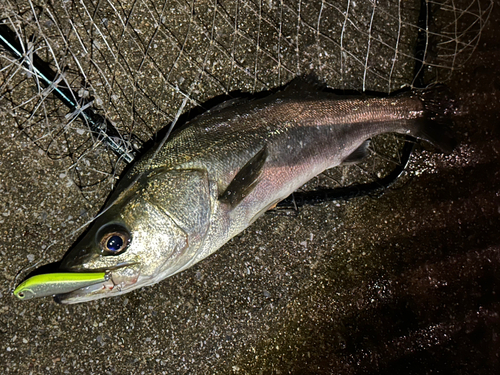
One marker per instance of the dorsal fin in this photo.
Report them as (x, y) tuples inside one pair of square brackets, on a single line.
[(302, 86), (219, 107), (226, 104)]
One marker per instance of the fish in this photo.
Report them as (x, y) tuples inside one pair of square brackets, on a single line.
[(56, 283), (183, 200)]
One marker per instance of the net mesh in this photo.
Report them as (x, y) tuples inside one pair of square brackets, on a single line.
[(137, 62)]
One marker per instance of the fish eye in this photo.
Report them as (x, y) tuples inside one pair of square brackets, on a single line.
[(114, 240)]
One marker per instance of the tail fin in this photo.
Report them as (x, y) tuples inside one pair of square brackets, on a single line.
[(435, 125)]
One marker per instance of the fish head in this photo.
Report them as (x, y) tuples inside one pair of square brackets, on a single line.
[(148, 233)]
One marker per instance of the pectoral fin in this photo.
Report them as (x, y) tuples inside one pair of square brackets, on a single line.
[(245, 180)]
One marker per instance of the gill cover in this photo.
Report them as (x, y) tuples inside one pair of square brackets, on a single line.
[(171, 217), (184, 196)]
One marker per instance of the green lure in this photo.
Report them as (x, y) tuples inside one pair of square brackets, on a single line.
[(57, 283)]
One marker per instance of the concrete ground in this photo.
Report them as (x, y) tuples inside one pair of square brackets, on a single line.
[(405, 283)]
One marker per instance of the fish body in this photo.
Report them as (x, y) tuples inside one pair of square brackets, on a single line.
[(217, 175)]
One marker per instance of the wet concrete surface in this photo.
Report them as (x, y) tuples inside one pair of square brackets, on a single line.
[(404, 283)]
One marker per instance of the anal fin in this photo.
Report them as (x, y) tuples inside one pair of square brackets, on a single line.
[(359, 154), (245, 180)]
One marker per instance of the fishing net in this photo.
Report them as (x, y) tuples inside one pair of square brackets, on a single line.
[(137, 62)]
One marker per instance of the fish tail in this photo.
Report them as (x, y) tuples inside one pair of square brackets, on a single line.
[(436, 123)]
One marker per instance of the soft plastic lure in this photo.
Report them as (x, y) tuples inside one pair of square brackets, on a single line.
[(57, 283)]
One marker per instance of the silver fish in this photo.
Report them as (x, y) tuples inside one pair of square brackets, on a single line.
[(224, 169)]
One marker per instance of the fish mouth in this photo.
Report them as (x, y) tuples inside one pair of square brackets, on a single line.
[(119, 280)]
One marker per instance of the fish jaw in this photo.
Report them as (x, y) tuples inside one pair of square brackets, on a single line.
[(123, 273), (120, 280)]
